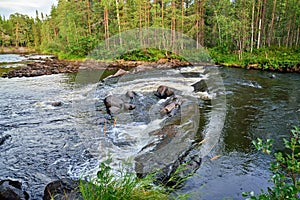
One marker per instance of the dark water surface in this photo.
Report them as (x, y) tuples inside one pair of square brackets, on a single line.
[(49, 142), (257, 106)]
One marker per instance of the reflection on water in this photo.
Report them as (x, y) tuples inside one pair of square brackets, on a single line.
[(257, 106)]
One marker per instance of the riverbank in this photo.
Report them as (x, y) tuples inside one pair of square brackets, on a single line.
[(16, 50), (55, 66), (275, 60)]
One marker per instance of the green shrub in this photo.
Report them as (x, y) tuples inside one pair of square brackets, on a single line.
[(285, 168), (149, 54)]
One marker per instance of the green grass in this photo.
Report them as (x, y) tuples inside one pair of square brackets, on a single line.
[(120, 186), (125, 185)]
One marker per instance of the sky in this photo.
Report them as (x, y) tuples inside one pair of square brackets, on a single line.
[(27, 7)]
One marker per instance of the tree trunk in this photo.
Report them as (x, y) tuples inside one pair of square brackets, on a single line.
[(162, 14), (252, 27), (263, 24), (182, 20), (197, 23), (106, 28), (270, 38), (173, 25), (259, 34), (119, 22), (257, 21), (297, 37), (89, 16), (140, 23), (17, 34), (202, 25)]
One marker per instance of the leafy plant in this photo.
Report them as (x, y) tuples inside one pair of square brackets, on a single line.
[(286, 169)]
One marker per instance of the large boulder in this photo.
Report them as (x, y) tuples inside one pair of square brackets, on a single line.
[(63, 189), (172, 148), (12, 190), (117, 103), (163, 92)]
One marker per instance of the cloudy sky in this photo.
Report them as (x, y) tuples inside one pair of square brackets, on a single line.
[(27, 7)]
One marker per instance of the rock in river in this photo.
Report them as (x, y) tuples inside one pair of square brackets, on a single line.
[(176, 140), (12, 190), (117, 103), (63, 189), (164, 92), (4, 138)]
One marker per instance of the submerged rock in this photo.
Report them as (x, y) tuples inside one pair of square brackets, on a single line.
[(56, 104), (63, 189), (131, 94), (12, 190), (4, 138)]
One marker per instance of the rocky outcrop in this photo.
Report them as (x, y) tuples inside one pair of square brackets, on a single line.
[(12, 190), (63, 189), (171, 145), (159, 158), (44, 67), (174, 145)]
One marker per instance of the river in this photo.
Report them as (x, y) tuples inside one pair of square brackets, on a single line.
[(55, 133)]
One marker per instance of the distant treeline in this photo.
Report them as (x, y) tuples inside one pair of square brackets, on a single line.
[(74, 27)]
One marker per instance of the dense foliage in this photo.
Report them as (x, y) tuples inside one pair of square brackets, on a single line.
[(74, 27)]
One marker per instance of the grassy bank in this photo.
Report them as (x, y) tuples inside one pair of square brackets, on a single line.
[(277, 59)]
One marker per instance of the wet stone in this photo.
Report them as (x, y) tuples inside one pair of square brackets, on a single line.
[(12, 190), (63, 189), (4, 138)]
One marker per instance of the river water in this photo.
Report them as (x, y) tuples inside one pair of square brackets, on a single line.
[(48, 142)]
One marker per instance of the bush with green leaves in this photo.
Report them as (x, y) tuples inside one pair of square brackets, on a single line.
[(285, 168)]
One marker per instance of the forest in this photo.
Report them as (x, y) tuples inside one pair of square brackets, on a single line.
[(230, 29)]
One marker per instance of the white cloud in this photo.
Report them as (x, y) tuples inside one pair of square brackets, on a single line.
[(27, 7)]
